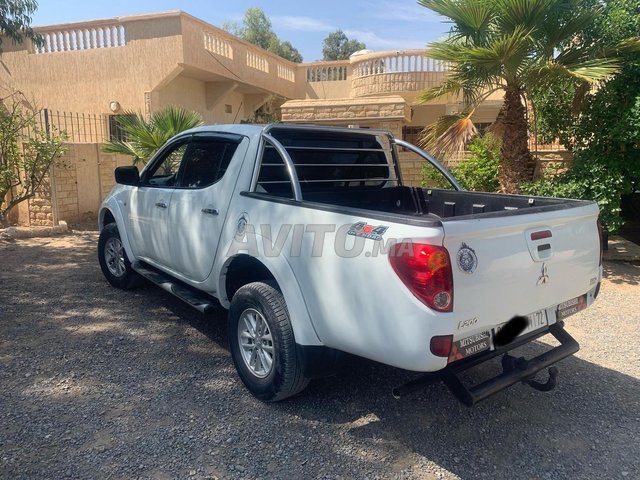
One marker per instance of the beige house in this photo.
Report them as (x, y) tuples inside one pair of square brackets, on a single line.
[(97, 70)]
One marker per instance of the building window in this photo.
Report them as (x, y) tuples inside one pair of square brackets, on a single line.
[(228, 108), (412, 134), (116, 133)]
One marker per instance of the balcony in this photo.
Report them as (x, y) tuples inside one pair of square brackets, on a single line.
[(395, 72), (200, 49)]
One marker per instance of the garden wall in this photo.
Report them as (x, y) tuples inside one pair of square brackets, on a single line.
[(80, 181)]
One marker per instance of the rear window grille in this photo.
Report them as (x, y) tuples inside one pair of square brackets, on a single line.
[(325, 161)]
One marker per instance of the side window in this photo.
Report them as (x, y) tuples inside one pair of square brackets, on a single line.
[(164, 172), (205, 162)]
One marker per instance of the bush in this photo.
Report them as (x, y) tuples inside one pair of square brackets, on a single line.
[(587, 180), (479, 172), (430, 177)]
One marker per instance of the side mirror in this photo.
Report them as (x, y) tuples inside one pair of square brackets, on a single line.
[(128, 175)]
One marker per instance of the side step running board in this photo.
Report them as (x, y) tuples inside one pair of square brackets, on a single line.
[(514, 370), (198, 300)]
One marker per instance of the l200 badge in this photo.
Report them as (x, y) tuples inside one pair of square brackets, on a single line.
[(467, 259)]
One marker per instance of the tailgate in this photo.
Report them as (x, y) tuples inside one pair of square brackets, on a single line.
[(521, 263)]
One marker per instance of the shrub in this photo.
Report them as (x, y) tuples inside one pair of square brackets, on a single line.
[(587, 180), (479, 172), (430, 177)]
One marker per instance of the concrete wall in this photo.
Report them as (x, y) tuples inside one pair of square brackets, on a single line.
[(88, 80), (81, 180), (191, 93)]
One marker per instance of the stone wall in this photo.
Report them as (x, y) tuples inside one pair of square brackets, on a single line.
[(66, 189), (107, 165), (39, 207), (345, 110), (81, 180)]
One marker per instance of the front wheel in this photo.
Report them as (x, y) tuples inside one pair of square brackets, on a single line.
[(262, 343), (114, 263)]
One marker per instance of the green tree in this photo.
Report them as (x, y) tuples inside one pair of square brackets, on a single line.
[(256, 28), (513, 46), (15, 20), (604, 134), (143, 138), (26, 154), (337, 46)]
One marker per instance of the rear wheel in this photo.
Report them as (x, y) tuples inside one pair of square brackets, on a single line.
[(262, 343), (114, 263)]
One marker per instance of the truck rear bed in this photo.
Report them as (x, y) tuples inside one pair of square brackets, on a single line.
[(439, 204)]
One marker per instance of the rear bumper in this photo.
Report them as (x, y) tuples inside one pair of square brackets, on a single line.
[(516, 371)]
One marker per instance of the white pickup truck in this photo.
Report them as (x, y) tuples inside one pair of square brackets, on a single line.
[(310, 239)]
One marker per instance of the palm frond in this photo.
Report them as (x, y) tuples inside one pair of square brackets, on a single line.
[(126, 148), (448, 134), (447, 50), (558, 33), (527, 14), (504, 55), (450, 86), (144, 138), (592, 70), (472, 20), (173, 120), (628, 45)]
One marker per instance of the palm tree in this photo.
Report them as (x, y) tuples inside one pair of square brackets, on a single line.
[(143, 138), (514, 46)]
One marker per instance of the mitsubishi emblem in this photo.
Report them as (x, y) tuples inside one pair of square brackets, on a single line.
[(544, 276)]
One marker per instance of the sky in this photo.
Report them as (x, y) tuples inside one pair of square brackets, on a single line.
[(380, 24)]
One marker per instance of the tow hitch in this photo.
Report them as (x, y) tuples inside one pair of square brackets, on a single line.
[(514, 369), (510, 363)]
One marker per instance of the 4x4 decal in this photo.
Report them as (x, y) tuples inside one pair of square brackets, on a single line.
[(372, 232)]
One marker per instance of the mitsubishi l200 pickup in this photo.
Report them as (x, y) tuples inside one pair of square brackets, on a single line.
[(311, 240)]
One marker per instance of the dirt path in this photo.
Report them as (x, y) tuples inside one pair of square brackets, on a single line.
[(99, 383)]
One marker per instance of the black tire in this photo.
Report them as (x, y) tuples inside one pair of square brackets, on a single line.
[(128, 278), (285, 378)]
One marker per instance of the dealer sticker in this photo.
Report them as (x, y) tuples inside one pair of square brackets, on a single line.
[(465, 347)]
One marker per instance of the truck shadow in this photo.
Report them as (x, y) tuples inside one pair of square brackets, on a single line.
[(593, 412)]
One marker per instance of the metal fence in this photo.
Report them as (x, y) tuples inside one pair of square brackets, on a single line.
[(75, 127)]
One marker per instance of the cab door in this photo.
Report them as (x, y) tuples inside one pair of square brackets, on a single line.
[(150, 204), (200, 202)]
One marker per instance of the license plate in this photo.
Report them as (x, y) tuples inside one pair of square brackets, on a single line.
[(568, 308), (537, 320), (465, 347)]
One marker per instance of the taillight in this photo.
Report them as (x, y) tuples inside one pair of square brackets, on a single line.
[(601, 242), (441, 345), (426, 271)]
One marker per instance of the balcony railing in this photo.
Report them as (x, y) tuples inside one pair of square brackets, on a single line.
[(286, 73), (215, 44), (327, 73), (396, 72), (81, 38), (389, 72)]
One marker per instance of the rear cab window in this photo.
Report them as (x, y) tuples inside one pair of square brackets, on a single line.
[(326, 161)]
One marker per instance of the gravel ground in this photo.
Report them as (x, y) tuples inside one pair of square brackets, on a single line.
[(100, 383)]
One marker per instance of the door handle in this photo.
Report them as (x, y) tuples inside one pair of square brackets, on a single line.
[(210, 211), (161, 204)]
